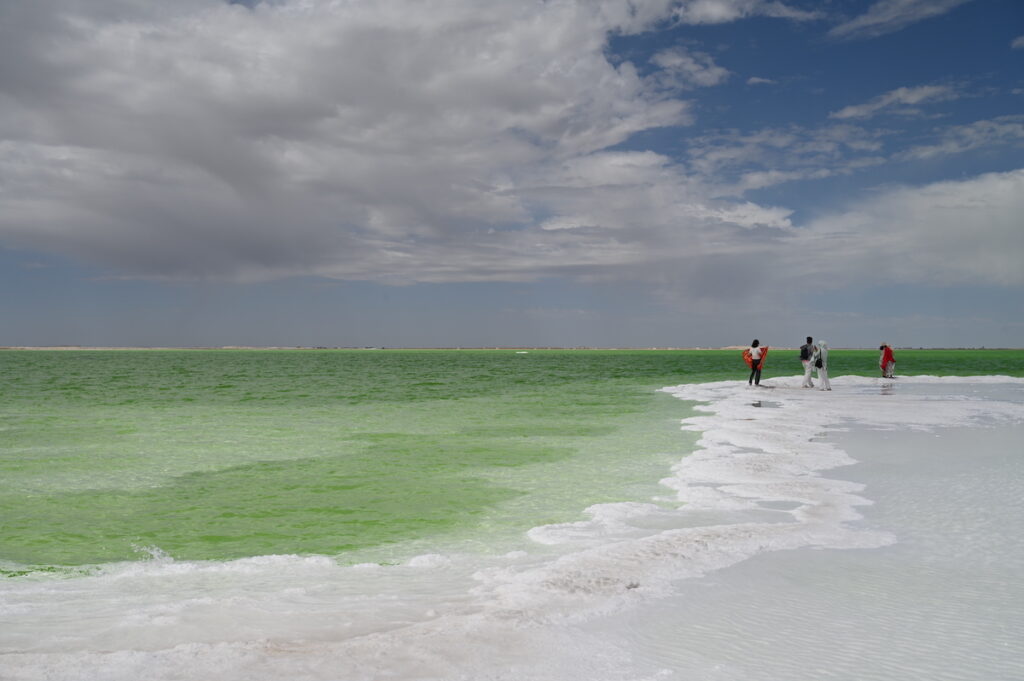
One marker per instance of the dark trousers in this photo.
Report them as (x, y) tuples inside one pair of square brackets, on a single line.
[(755, 375)]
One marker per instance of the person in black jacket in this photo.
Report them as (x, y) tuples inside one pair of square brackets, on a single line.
[(806, 353)]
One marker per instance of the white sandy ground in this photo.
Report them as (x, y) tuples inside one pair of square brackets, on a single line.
[(695, 585)]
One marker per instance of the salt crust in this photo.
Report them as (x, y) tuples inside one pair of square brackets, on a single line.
[(761, 451), (754, 484)]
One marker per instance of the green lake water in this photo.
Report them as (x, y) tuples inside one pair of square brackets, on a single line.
[(217, 454)]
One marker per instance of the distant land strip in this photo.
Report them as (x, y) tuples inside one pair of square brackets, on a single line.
[(484, 347)]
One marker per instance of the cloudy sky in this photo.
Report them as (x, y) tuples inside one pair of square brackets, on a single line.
[(516, 172)]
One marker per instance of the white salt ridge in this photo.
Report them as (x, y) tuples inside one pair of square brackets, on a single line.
[(754, 485)]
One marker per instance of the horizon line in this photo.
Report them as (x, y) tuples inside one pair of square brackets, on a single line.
[(456, 347)]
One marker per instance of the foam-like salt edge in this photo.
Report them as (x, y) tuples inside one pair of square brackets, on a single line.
[(753, 484), (760, 456)]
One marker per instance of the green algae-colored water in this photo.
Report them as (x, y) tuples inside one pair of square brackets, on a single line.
[(218, 454)]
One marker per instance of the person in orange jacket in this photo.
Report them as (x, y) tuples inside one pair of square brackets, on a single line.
[(754, 357)]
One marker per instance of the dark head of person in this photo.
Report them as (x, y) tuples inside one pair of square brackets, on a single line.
[(810, 340), (755, 343)]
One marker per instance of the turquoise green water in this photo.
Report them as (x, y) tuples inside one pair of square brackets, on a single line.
[(110, 455)]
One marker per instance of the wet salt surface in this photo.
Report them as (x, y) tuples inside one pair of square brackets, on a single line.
[(944, 601)]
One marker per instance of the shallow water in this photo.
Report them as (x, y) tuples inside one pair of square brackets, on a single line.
[(200, 455), (681, 567)]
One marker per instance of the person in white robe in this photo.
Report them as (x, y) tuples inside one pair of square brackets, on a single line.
[(821, 364)]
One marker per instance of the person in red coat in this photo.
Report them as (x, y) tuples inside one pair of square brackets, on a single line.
[(886, 361)]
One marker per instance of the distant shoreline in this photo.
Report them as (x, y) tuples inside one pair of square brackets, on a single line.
[(321, 347), (383, 348)]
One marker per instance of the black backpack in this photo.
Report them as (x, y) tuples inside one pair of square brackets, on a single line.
[(805, 352)]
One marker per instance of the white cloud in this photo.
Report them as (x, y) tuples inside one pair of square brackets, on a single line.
[(732, 163), (681, 69), (899, 101), (570, 222), (755, 80), (1004, 132), (889, 16), (1018, 43), (759, 179), (752, 215), (943, 234), (722, 11)]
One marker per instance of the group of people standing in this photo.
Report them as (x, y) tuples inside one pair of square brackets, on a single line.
[(814, 357)]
